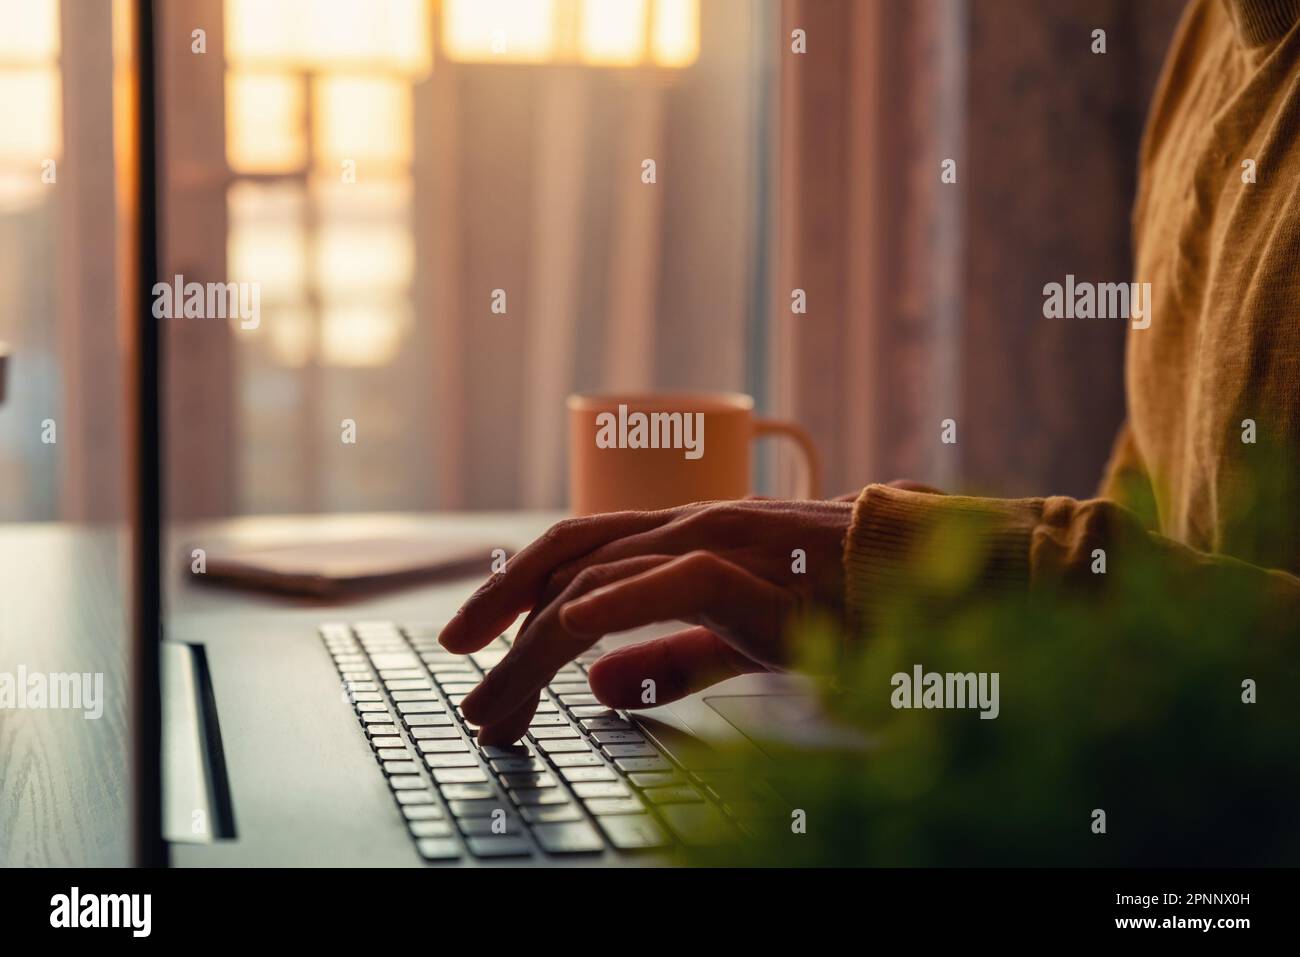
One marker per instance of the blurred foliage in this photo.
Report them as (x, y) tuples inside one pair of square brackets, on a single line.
[(1126, 696)]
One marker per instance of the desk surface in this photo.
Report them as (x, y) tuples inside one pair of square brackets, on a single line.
[(63, 794)]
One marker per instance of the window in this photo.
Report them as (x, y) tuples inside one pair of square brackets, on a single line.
[(596, 32), (319, 149), (31, 148)]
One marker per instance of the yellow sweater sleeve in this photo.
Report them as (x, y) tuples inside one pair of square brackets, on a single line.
[(903, 542)]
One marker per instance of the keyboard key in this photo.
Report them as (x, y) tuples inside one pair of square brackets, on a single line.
[(388, 674), (441, 761), (423, 694), (366, 697), (562, 688), (552, 734), (377, 718), (601, 773), (628, 805), (535, 779), (450, 670), (446, 746), (393, 754), (474, 807), (509, 751), (434, 727), (563, 746), (676, 794), (628, 765), (577, 760), (438, 848), (617, 737), (547, 721), (601, 789), (487, 826), (653, 779), (499, 846), (697, 825), (436, 734), (362, 686), (408, 684), (550, 813), (578, 837), (430, 829), (387, 742), (412, 798), (514, 765), (535, 796), (459, 687), (606, 724), (419, 720), (459, 775), (592, 711), (471, 792), (633, 832), (381, 730), (420, 707), (407, 782), (630, 750), (571, 700), (373, 707), (398, 660), (421, 812)]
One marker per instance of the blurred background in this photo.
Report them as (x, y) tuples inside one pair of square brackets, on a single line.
[(381, 167)]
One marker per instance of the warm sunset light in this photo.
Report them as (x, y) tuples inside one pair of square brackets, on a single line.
[(595, 32), (329, 34), (612, 32)]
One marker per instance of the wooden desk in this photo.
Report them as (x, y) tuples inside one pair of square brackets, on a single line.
[(63, 796)]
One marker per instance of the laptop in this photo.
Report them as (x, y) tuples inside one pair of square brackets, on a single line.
[(296, 738)]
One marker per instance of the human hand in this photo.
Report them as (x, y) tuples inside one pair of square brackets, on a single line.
[(724, 567)]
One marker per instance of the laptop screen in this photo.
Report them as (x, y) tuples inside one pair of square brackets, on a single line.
[(135, 94)]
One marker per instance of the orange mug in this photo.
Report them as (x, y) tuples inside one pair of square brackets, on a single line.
[(656, 450)]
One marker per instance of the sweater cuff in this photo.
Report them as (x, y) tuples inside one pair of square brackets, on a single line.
[(913, 554)]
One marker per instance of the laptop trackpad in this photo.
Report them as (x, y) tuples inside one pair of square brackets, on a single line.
[(778, 721)]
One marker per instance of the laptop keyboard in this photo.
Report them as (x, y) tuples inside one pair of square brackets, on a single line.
[(583, 781)]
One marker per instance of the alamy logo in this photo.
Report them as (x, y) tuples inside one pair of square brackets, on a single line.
[(653, 430), (213, 300), (56, 691), (74, 909), (1103, 300), (922, 689)]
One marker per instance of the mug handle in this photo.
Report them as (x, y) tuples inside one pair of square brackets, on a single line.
[(812, 473)]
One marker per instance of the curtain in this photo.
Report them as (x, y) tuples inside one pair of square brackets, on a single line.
[(925, 297)]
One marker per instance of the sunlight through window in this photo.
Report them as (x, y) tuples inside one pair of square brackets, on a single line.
[(613, 31), (330, 34), (315, 89), (596, 32)]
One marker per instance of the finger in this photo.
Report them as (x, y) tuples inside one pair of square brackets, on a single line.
[(511, 728), (498, 602), (699, 587), (544, 646), (679, 664)]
